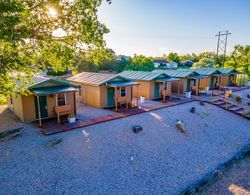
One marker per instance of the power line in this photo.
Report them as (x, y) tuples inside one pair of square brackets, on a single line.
[(222, 43)]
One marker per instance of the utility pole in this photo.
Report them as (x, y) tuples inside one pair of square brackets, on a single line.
[(222, 43)]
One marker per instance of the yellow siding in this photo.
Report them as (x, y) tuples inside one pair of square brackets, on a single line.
[(204, 82), (182, 86), (17, 106), (224, 80), (29, 110), (144, 89)]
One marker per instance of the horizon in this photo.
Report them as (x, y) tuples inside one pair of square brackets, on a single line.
[(147, 35)]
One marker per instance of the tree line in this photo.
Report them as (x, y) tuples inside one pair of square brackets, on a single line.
[(29, 44)]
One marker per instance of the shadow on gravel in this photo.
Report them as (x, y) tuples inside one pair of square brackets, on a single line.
[(231, 176)]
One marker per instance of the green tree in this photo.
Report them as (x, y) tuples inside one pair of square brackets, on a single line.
[(239, 59), (173, 57), (29, 38), (204, 63), (92, 60), (120, 65), (141, 63)]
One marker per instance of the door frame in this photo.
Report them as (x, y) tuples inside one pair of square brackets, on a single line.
[(108, 97), (156, 90), (42, 107)]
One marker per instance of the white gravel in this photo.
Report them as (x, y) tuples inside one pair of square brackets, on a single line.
[(85, 112), (109, 158)]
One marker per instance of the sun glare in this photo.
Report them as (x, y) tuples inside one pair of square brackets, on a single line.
[(52, 12)]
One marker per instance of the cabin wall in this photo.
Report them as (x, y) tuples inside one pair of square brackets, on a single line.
[(224, 80), (103, 97), (17, 106), (182, 86), (93, 95), (144, 89), (204, 82), (29, 109)]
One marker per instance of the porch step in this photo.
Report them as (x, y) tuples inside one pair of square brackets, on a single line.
[(218, 103), (231, 106), (215, 100), (226, 105), (238, 109), (234, 108)]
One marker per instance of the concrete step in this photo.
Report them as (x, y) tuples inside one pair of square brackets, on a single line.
[(235, 108), (226, 105), (219, 102)]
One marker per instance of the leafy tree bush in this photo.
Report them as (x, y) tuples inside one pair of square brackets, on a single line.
[(203, 63), (141, 63), (28, 42)]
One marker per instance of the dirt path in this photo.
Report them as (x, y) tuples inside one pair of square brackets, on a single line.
[(7, 119), (234, 180)]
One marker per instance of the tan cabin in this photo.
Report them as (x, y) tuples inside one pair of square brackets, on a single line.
[(187, 80), (152, 85), (49, 98), (102, 90), (219, 77)]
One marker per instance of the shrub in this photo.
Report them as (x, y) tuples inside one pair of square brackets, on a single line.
[(242, 79), (3, 99), (238, 98)]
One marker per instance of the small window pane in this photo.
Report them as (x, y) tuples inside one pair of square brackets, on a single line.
[(123, 91)]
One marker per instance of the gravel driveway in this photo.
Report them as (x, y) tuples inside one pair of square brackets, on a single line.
[(109, 158)]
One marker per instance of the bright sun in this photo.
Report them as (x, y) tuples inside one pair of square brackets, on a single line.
[(52, 12)]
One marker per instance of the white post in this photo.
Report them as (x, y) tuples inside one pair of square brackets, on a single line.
[(58, 115)]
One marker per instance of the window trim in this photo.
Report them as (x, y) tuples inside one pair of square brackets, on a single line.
[(123, 93)]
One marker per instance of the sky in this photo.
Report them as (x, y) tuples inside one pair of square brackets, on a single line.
[(157, 27)]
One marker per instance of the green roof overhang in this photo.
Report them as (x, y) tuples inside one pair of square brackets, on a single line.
[(198, 76), (166, 79), (57, 83), (222, 74), (121, 83), (53, 90)]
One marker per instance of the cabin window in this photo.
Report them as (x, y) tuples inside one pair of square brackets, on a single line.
[(123, 91), (165, 86), (62, 100)]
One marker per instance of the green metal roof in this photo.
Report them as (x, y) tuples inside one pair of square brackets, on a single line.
[(91, 78), (142, 75), (228, 70), (178, 73), (39, 81), (53, 90), (207, 71)]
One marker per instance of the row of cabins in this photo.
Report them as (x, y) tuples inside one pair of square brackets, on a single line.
[(50, 98)]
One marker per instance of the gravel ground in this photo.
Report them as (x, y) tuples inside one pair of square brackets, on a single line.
[(86, 112), (109, 158), (8, 120), (234, 180)]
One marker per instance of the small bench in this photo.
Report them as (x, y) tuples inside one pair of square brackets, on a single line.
[(121, 100), (63, 110), (195, 89), (166, 93)]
